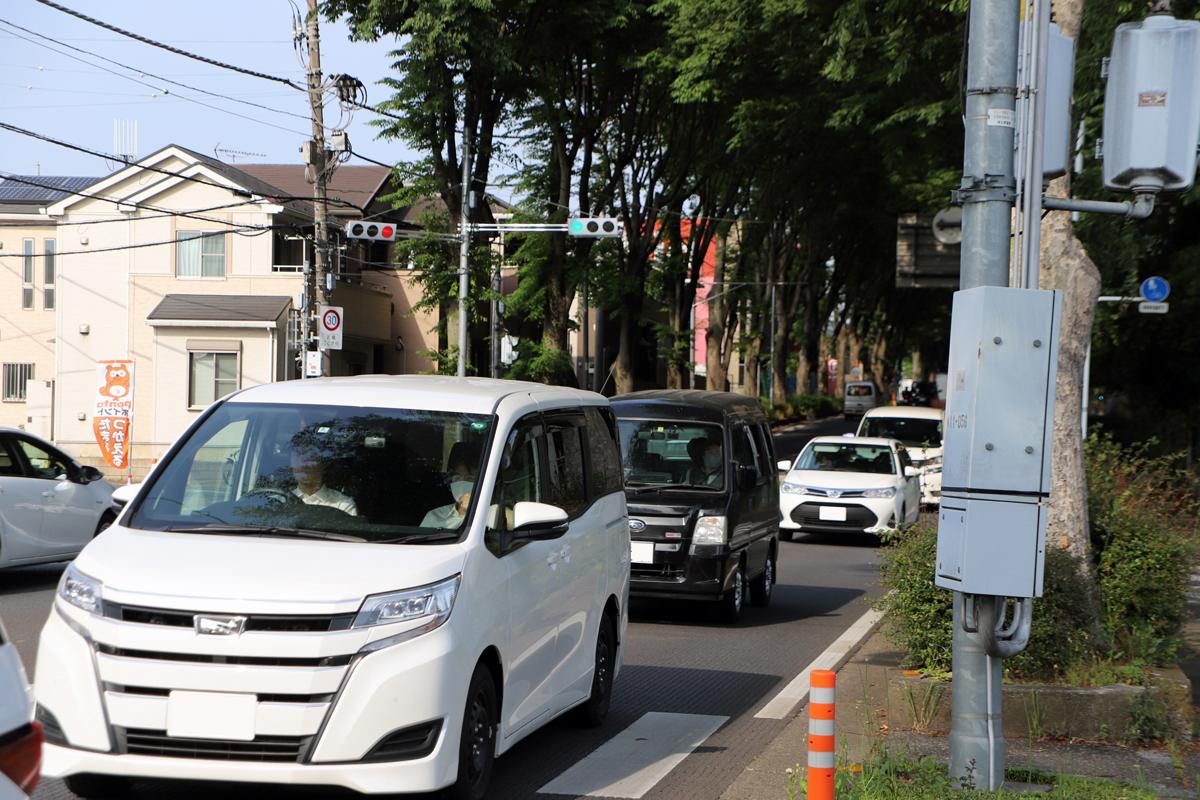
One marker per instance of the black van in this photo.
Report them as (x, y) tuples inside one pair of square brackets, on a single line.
[(703, 496)]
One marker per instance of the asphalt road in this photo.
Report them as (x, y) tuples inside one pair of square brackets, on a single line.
[(678, 660)]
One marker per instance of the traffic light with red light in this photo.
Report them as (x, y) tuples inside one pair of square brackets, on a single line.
[(371, 230)]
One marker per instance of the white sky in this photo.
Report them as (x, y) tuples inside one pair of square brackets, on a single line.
[(56, 95)]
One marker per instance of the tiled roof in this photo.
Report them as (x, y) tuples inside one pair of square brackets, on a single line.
[(220, 307), (41, 188), (355, 184)]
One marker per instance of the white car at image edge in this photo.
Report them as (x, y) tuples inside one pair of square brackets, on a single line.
[(920, 430), (842, 484), (20, 736)]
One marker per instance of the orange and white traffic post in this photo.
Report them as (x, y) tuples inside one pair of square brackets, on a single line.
[(821, 768)]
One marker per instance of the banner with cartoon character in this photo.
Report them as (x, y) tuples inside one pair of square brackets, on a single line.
[(113, 421)]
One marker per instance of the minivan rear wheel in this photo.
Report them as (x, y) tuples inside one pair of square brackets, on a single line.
[(595, 710), (477, 741), (88, 785), (731, 603)]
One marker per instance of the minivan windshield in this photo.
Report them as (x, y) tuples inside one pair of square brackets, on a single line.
[(912, 432), (837, 457), (672, 454), (311, 471)]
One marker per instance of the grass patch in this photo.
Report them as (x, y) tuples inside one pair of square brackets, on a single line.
[(888, 776)]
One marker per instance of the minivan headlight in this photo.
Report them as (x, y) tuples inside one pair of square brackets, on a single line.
[(432, 603), (81, 591), (709, 530), (794, 488), (888, 491)]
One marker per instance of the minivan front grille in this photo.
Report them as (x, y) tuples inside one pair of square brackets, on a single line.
[(203, 658), (143, 742), (174, 618), (158, 691)]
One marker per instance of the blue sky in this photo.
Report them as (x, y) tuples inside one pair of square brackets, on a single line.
[(52, 93)]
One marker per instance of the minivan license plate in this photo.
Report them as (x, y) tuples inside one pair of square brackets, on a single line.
[(641, 552), (211, 715), (833, 513)]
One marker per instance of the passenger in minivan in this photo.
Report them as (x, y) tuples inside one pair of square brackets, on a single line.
[(461, 468), (308, 468), (708, 472)]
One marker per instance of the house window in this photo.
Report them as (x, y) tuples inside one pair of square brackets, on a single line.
[(212, 376), (15, 376), (200, 254), (27, 276), (290, 254), (48, 274)]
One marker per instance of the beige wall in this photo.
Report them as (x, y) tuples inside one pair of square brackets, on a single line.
[(26, 335), (418, 329)]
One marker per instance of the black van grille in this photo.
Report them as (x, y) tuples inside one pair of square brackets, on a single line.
[(142, 742)]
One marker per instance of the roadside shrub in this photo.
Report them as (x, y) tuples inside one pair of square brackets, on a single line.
[(807, 406), (919, 613), (1143, 515)]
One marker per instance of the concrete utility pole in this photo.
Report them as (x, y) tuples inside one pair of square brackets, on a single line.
[(464, 253), (987, 194), (317, 278)]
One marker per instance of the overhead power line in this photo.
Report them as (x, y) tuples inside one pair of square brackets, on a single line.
[(110, 157), (205, 59), (118, 201), (169, 48), (239, 232), (122, 65)]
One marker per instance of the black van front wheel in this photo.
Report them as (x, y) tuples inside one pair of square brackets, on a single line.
[(731, 603), (760, 587)]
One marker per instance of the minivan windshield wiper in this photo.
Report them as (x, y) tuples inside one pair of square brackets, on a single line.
[(421, 538), (273, 530)]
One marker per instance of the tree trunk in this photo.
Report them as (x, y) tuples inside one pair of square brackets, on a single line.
[(623, 364), (714, 338), (1065, 265)]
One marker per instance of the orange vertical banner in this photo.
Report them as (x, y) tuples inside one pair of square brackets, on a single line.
[(112, 422)]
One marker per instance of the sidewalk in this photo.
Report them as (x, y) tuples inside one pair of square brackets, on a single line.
[(862, 722)]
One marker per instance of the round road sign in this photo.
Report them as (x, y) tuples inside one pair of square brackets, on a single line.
[(332, 320), (1155, 289)]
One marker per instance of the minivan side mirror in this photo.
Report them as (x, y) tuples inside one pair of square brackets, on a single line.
[(784, 465), (538, 521), (123, 494)]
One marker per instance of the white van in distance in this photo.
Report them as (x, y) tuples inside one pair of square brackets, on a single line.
[(379, 583)]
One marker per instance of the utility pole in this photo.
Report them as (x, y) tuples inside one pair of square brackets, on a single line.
[(987, 194), (317, 278), (464, 252)]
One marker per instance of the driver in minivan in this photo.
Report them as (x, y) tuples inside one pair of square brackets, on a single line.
[(708, 472), (309, 472), (462, 467)]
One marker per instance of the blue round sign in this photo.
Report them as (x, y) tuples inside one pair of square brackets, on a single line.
[(1155, 289)]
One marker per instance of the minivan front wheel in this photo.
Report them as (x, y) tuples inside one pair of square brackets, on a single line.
[(595, 710), (731, 603), (477, 742), (760, 587)]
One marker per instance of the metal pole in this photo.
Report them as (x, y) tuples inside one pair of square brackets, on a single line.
[(987, 192), (771, 366), (317, 278), (586, 323), (494, 326), (464, 254), (1087, 388)]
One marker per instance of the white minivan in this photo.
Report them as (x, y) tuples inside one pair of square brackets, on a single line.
[(379, 583)]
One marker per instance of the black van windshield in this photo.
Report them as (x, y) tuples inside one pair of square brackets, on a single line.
[(659, 453), (332, 472)]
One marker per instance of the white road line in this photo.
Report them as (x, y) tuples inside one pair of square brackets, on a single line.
[(637, 758), (783, 704)]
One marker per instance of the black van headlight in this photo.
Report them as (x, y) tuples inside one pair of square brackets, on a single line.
[(710, 530)]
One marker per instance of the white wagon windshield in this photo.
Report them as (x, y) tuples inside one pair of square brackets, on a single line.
[(358, 474)]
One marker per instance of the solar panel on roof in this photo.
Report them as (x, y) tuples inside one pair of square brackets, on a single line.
[(33, 188)]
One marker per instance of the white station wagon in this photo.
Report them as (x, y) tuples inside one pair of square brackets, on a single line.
[(379, 583)]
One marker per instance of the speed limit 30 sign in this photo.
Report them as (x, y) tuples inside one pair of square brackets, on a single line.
[(329, 328)]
